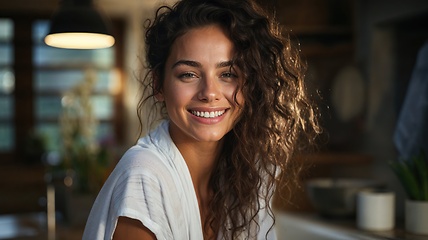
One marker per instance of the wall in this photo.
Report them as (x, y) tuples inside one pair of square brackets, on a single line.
[(135, 12), (376, 51)]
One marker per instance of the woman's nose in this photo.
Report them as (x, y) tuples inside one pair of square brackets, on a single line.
[(210, 90)]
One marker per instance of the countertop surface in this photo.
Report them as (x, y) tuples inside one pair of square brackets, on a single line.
[(303, 226), (289, 226)]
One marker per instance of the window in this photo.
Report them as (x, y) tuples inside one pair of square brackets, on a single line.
[(60, 73), (46, 77), (7, 83)]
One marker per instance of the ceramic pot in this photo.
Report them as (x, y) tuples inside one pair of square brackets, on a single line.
[(416, 217)]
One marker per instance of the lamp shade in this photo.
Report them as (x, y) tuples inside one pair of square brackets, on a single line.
[(78, 25)]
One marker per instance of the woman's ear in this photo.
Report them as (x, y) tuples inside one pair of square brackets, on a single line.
[(157, 91)]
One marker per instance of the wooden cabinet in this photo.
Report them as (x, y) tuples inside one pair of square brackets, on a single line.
[(324, 30), (22, 189)]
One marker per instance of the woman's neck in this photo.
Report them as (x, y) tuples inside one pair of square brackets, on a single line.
[(200, 158)]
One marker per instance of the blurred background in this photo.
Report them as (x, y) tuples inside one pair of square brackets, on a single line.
[(67, 116)]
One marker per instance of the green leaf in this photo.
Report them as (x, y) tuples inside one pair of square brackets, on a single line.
[(407, 178), (421, 170)]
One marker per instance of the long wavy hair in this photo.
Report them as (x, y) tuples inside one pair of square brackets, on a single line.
[(277, 115)]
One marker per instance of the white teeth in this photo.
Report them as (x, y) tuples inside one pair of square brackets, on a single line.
[(208, 114)]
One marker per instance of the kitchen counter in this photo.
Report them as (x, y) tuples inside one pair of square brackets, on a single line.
[(33, 226), (304, 226), (289, 226)]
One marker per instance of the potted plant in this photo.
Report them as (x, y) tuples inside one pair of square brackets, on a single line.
[(85, 160), (413, 175)]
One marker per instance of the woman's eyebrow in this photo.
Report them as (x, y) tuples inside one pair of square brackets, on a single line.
[(187, 62), (224, 64), (197, 64)]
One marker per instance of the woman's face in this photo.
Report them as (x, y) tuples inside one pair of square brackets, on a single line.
[(199, 86)]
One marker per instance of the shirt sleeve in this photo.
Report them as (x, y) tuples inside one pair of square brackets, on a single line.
[(139, 196), (137, 189), (146, 192)]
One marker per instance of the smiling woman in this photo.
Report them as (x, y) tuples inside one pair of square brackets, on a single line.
[(231, 91)]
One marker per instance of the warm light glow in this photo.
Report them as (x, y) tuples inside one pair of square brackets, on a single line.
[(115, 85), (75, 40)]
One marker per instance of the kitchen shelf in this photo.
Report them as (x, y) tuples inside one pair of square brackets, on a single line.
[(341, 158)]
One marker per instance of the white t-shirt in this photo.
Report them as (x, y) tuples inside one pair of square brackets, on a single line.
[(151, 183)]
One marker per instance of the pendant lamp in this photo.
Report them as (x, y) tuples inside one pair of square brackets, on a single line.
[(78, 25)]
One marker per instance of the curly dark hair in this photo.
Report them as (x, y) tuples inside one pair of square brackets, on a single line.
[(277, 114)]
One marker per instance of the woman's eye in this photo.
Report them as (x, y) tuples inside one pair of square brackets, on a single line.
[(229, 75), (187, 75)]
